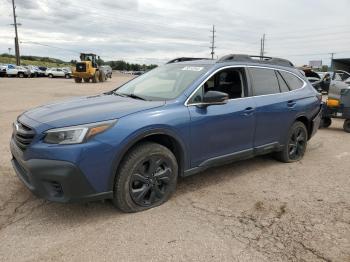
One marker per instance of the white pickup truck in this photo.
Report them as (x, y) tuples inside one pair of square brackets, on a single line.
[(12, 70)]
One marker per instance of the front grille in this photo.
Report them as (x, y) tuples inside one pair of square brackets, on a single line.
[(81, 67), (23, 135)]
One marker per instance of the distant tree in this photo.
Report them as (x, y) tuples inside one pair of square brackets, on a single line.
[(100, 61), (125, 66), (7, 55), (150, 67), (324, 68)]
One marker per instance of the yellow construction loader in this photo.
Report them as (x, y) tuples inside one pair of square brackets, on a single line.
[(87, 69)]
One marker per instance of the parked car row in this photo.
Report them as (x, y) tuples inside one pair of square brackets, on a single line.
[(136, 73), (322, 81), (10, 70)]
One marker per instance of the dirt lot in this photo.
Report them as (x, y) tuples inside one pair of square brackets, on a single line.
[(255, 210)]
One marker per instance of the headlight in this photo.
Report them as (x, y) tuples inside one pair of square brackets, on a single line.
[(76, 134)]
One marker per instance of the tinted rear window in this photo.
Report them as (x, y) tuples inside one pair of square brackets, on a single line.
[(264, 81), (292, 81)]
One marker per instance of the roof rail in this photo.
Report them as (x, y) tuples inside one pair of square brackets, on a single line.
[(183, 59), (256, 59)]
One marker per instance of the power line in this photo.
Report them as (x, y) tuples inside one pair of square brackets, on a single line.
[(213, 47), (41, 44)]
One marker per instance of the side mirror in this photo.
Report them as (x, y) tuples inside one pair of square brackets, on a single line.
[(215, 98)]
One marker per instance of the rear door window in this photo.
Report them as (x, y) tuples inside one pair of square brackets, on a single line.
[(264, 81), (292, 81)]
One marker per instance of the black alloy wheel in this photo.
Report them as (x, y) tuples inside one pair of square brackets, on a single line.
[(297, 143), (146, 178), (149, 182)]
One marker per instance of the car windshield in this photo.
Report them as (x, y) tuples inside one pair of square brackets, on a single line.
[(163, 83)]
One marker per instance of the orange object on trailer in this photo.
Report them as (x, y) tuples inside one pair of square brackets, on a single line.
[(333, 102)]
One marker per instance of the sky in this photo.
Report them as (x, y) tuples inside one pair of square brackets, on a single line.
[(155, 31)]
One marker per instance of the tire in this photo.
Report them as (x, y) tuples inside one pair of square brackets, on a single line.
[(295, 145), (77, 80), (95, 77), (50, 75), (150, 166), (102, 76), (67, 76), (346, 125), (86, 80), (20, 75), (326, 122)]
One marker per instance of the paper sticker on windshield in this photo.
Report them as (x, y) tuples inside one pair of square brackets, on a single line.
[(193, 68)]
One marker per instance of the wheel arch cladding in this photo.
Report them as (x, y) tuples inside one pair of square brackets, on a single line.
[(307, 123), (160, 137)]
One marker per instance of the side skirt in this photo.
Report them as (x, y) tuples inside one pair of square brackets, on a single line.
[(237, 156)]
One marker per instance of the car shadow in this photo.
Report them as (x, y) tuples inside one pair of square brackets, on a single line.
[(334, 129), (77, 213)]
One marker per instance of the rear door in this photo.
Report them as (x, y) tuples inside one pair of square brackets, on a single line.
[(274, 108), (59, 72)]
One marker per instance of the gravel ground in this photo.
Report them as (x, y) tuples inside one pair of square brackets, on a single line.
[(254, 210)]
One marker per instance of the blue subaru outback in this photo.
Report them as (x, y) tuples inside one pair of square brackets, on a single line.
[(131, 144)]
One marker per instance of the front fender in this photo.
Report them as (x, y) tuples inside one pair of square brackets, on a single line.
[(139, 136)]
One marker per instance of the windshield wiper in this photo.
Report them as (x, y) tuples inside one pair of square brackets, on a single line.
[(129, 95), (134, 96), (118, 94)]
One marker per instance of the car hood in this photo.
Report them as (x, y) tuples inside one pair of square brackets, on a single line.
[(88, 109)]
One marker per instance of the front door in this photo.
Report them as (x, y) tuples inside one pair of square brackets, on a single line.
[(221, 131)]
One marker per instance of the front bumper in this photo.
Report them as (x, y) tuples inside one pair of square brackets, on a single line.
[(54, 180)]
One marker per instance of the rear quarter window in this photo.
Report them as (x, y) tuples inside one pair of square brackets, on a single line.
[(264, 81), (283, 85), (292, 81)]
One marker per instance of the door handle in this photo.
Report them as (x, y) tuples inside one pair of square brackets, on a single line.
[(248, 111), (291, 103)]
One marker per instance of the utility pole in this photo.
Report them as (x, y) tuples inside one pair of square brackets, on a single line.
[(9, 50), (332, 57), (213, 43), (18, 61), (262, 47)]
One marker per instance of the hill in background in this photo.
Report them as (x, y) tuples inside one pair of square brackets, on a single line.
[(33, 60), (53, 62)]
